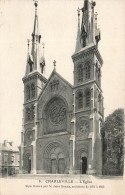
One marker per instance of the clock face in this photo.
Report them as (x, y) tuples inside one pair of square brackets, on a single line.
[(83, 126)]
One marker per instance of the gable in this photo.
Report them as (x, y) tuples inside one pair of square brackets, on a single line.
[(53, 80), (56, 86)]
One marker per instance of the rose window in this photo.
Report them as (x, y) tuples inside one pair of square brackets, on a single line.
[(83, 126), (57, 112)]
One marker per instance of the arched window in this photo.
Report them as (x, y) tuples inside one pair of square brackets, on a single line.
[(87, 70), (32, 113), (27, 114), (99, 74), (33, 90), (27, 92), (99, 103), (80, 99), (30, 67), (84, 40), (80, 73), (30, 64), (87, 98)]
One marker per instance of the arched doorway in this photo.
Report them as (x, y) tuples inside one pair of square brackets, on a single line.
[(83, 157), (84, 165), (61, 164), (57, 163), (55, 158), (53, 164), (27, 163)]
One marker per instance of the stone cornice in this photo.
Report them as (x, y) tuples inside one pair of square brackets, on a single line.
[(33, 75), (87, 83), (30, 102), (53, 134), (86, 52)]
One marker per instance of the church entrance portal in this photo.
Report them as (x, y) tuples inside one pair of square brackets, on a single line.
[(58, 166), (84, 165), (55, 158)]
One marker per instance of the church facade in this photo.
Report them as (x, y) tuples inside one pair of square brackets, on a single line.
[(62, 122)]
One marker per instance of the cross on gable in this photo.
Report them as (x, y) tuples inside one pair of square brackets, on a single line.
[(96, 14), (35, 3), (78, 10), (54, 63)]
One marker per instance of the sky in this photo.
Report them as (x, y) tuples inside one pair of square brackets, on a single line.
[(58, 27)]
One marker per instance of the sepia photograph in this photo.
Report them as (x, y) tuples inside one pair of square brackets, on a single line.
[(62, 97)]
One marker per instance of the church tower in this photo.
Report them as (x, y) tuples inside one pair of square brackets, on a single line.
[(88, 99), (34, 80)]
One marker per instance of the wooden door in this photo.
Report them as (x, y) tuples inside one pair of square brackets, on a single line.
[(53, 166), (84, 165), (29, 165), (61, 166)]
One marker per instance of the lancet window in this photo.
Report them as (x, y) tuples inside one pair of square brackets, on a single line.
[(80, 99), (33, 90), (28, 92), (87, 97), (87, 70), (80, 73)]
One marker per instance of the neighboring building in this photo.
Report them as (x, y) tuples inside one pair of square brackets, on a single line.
[(61, 125), (9, 158)]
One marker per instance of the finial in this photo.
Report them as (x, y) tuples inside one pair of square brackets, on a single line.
[(43, 44), (96, 14), (36, 4), (54, 63), (93, 4), (78, 10), (28, 43)]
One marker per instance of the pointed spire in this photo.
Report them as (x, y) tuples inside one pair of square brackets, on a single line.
[(78, 44), (85, 23), (89, 33), (35, 39), (86, 5), (29, 65), (35, 60)]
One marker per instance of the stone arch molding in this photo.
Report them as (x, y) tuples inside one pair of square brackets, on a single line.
[(81, 152), (55, 150), (55, 157)]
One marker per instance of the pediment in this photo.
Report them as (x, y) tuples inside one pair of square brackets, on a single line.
[(55, 84)]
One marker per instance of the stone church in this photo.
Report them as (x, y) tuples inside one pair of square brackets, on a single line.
[(62, 122)]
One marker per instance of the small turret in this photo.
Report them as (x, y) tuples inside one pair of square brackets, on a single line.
[(78, 39)]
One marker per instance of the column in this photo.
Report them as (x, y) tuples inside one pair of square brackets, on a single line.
[(72, 154), (33, 171)]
